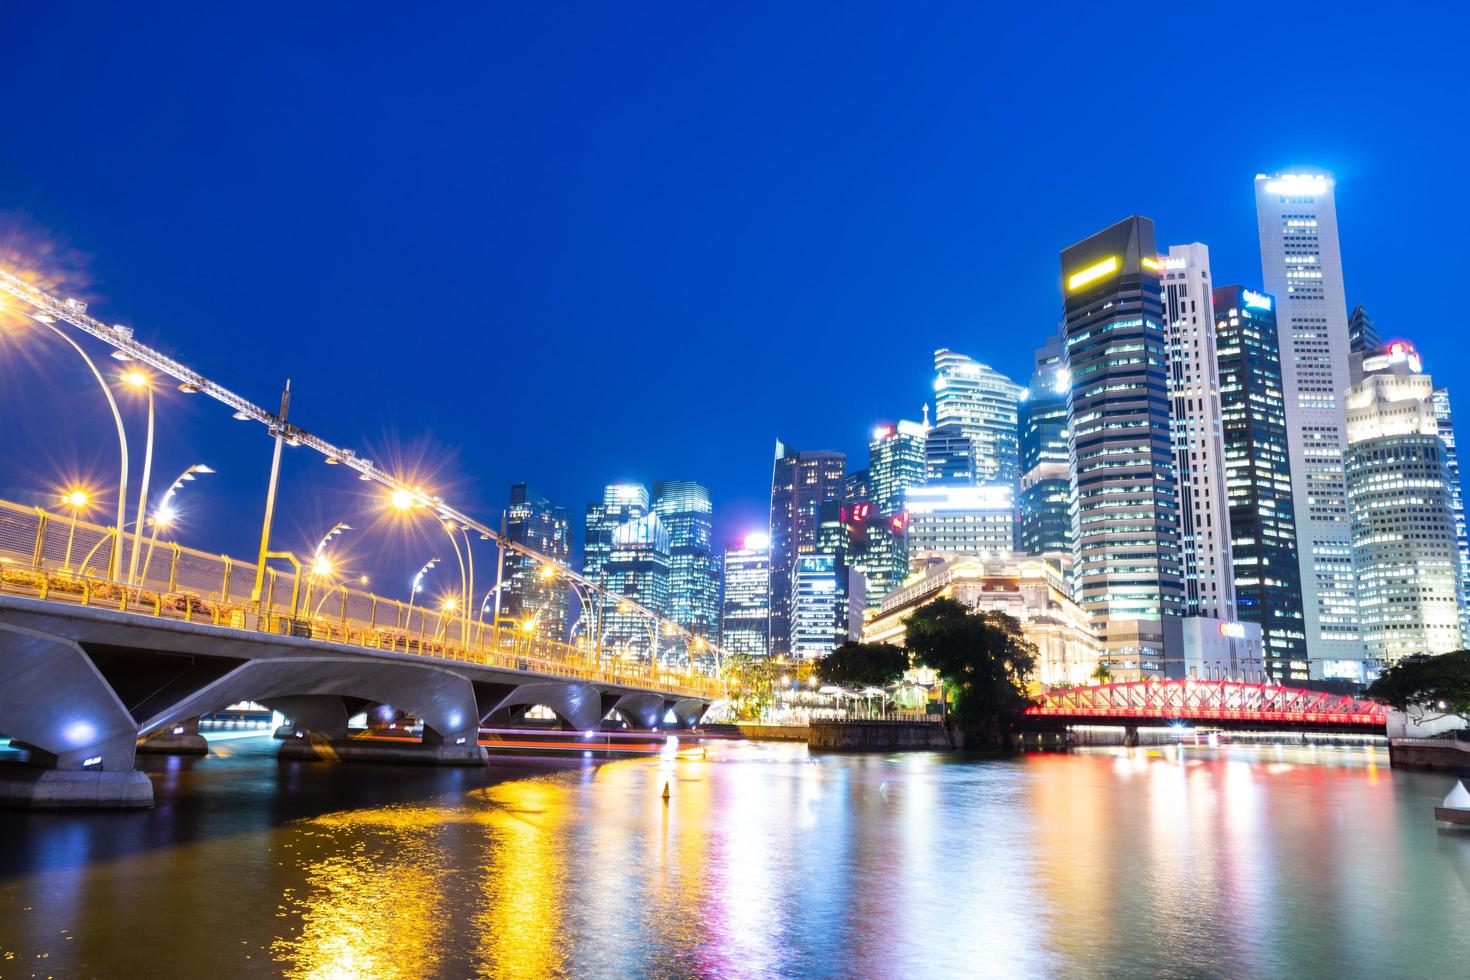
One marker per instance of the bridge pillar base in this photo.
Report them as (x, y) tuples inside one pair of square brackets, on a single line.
[(315, 748), (24, 788), (180, 739), (1130, 736)]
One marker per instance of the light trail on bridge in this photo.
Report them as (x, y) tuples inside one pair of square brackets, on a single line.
[(121, 338)]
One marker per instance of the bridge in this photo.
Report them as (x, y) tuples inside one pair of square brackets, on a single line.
[(1216, 704), (90, 665)]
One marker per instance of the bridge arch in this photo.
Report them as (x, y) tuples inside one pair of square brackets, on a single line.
[(579, 705)]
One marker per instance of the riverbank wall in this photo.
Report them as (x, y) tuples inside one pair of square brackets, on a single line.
[(774, 733), (1443, 755), (863, 736)]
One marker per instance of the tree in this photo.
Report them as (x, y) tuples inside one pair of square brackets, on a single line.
[(1101, 673), (863, 665), (984, 659), (1427, 687), (751, 682)]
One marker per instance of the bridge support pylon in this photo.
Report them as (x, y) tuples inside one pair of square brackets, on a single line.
[(1130, 735), (182, 738)]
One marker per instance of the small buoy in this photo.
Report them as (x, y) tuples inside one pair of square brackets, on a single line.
[(666, 791)]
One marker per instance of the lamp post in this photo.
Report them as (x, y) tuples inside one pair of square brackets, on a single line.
[(163, 514), (416, 585), (138, 380), (78, 500), (321, 563)]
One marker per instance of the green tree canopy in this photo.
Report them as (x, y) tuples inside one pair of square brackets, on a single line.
[(983, 657), (863, 665), (751, 682), (1427, 687)]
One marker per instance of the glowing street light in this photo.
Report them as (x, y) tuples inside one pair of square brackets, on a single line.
[(78, 500), (164, 514), (139, 381), (402, 500)]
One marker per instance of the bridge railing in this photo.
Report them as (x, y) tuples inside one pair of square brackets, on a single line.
[(52, 557)]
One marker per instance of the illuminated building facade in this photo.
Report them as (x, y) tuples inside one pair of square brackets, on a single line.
[(694, 568), (1044, 497), (819, 612), (745, 610), (1199, 452), (1268, 588), (896, 462), (1302, 268), (800, 483), (1445, 417), (1128, 569), (949, 456), (983, 403), (527, 595), (637, 569), (960, 520), (1405, 546), (1030, 589), (869, 543)]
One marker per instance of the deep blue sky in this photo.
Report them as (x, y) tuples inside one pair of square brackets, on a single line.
[(573, 244)]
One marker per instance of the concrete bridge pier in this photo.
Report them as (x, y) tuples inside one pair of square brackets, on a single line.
[(688, 711), (579, 706), (182, 738), (1130, 735), (643, 710), (80, 738)]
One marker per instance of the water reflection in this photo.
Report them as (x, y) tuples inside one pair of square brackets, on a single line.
[(762, 862)]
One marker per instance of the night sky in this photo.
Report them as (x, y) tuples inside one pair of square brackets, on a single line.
[(576, 244)]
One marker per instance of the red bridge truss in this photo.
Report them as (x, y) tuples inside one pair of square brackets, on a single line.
[(1226, 702)]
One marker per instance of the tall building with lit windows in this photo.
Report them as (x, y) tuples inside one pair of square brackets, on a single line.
[(983, 402), (1128, 568), (1199, 452), (1405, 546), (1268, 588), (1044, 495), (694, 568), (1301, 266), (626, 551), (949, 456), (1445, 417), (800, 483), (745, 610), (527, 595), (896, 462)]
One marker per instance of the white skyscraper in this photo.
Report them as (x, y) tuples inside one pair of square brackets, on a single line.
[(984, 403), (1199, 449), (1301, 266)]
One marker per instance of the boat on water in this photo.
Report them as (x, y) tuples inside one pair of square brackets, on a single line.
[(1456, 809)]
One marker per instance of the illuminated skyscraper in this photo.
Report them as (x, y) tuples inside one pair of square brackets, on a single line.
[(745, 614), (949, 456), (1445, 418), (896, 462), (983, 402), (1044, 498), (626, 551), (800, 484), (960, 521), (1128, 571), (1363, 336), (1302, 267), (1405, 547), (819, 608), (526, 595), (1268, 588), (694, 569), (1199, 453)]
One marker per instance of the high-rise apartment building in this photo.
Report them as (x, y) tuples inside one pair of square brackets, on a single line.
[(960, 521), (983, 402), (745, 611), (1199, 452), (896, 462), (1301, 267), (1268, 587), (1044, 496), (949, 456), (527, 596), (1405, 547), (800, 483), (694, 568), (1445, 417), (1128, 570)]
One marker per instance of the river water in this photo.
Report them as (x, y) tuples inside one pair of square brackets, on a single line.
[(765, 861)]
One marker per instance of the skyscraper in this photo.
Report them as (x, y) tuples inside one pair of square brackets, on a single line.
[(960, 521), (1128, 570), (694, 569), (1302, 267), (527, 596), (1268, 586), (1044, 497), (983, 402), (1363, 336), (1405, 546), (896, 462), (800, 484), (949, 456), (745, 611), (638, 569), (1199, 453), (1445, 418), (819, 608)]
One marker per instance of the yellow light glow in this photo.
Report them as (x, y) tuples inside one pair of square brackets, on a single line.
[(1149, 263), (401, 500), (548, 572), (1094, 272), (136, 378), (528, 626), (322, 566), (78, 498), (449, 605)]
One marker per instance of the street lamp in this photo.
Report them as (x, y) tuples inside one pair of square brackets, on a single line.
[(78, 500), (163, 514), (137, 380)]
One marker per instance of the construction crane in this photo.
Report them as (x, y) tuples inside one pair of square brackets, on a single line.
[(120, 338)]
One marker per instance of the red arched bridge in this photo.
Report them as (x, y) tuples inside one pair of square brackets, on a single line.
[(1219, 704)]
